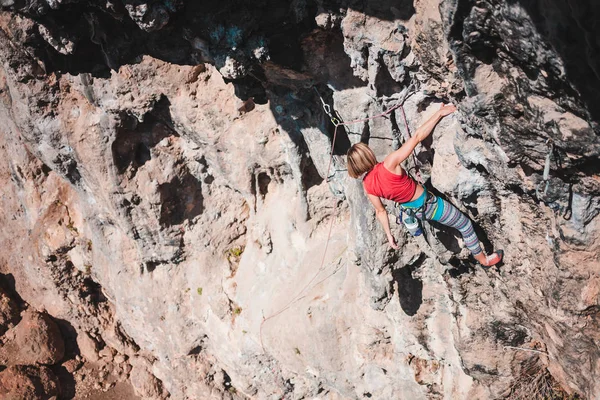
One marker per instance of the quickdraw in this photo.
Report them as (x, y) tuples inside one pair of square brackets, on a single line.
[(327, 108)]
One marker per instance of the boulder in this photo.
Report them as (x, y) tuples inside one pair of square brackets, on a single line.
[(28, 382), (35, 340), (88, 347), (145, 384)]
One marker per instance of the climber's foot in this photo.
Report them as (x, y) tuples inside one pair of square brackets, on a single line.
[(493, 259)]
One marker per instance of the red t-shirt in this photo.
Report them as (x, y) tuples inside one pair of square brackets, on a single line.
[(383, 183)]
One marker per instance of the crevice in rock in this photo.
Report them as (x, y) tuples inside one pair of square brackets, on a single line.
[(93, 291), (125, 338), (67, 166), (263, 180), (509, 334), (180, 199), (226, 380), (310, 174), (410, 288), (385, 85), (66, 378), (365, 135), (67, 381), (134, 140)]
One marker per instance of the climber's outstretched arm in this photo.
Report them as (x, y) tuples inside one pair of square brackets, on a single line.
[(382, 216), (398, 156)]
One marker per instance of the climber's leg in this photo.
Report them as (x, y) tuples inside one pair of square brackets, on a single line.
[(446, 214)]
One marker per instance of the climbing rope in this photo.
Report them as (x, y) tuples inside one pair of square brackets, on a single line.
[(336, 121)]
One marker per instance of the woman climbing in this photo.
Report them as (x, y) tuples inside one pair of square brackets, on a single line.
[(389, 180)]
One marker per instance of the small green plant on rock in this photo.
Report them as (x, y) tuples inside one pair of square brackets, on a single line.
[(235, 310), (236, 251), (199, 291), (233, 257)]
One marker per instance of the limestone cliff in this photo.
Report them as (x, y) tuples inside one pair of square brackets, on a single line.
[(167, 199)]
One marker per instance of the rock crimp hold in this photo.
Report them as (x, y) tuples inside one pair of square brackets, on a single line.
[(35, 340)]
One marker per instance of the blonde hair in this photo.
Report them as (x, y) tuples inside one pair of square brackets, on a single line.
[(360, 160)]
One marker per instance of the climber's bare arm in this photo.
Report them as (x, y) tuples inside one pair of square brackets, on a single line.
[(382, 216), (397, 157)]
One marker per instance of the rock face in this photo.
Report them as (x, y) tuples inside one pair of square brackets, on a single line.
[(169, 193)]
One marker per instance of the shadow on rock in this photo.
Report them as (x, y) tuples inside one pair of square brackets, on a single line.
[(410, 289), (66, 380), (384, 10), (569, 28), (459, 267)]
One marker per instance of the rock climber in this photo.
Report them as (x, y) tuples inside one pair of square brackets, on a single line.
[(389, 180)]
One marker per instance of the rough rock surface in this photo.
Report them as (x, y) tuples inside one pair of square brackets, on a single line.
[(35, 340), (167, 193), (27, 382), (9, 311)]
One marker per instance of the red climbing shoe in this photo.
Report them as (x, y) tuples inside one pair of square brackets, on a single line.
[(494, 258)]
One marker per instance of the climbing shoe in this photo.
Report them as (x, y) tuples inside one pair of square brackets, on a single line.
[(494, 259)]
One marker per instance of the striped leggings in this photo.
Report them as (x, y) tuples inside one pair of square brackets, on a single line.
[(452, 217)]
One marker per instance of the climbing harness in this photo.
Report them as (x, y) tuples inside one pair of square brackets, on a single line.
[(414, 215), (411, 222), (336, 121)]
